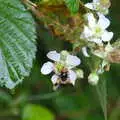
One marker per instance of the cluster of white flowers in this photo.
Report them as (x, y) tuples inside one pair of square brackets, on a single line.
[(64, 64), (62, 67), (95, 31)]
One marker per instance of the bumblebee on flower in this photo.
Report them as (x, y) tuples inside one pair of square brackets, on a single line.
[(62, 68)]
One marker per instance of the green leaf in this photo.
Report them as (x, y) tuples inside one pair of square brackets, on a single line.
[(101, 89), (17, 42), (36, 112), (73, 5)]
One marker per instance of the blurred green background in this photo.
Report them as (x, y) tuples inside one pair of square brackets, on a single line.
[(34, 99)]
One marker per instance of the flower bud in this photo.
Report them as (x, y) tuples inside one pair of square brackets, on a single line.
[(79, 73), (64, 54), (93, 79)]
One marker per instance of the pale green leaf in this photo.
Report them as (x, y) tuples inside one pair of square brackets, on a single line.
[(17, 42)]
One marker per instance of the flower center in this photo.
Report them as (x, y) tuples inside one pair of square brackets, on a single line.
[(98, 31), (58, 67)]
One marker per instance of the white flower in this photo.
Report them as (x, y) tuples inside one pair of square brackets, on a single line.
[(62, 67), (96, 31), (98, 6), (93, 78)]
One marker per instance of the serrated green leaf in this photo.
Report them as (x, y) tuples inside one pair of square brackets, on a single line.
[(36, 112), (17, 42), (73, 5)]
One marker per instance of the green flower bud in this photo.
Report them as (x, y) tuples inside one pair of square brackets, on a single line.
[(64, 54), (79, 73)]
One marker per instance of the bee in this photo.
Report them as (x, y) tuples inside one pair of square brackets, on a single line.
[(63, 79), (63, 76), (114, 56)]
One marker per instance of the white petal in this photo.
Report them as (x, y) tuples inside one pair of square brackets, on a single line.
[(103, 22), (47, 68), (91, 20), (89, 5), (72, 76), (53, 55), (107, 36), (85, 53), (54, 79), (86, 33), (97, 41), (96, 1), (72, 60)]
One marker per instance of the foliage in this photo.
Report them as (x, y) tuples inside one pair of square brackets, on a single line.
[(31, 112), (17, 42), (73, 5)]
